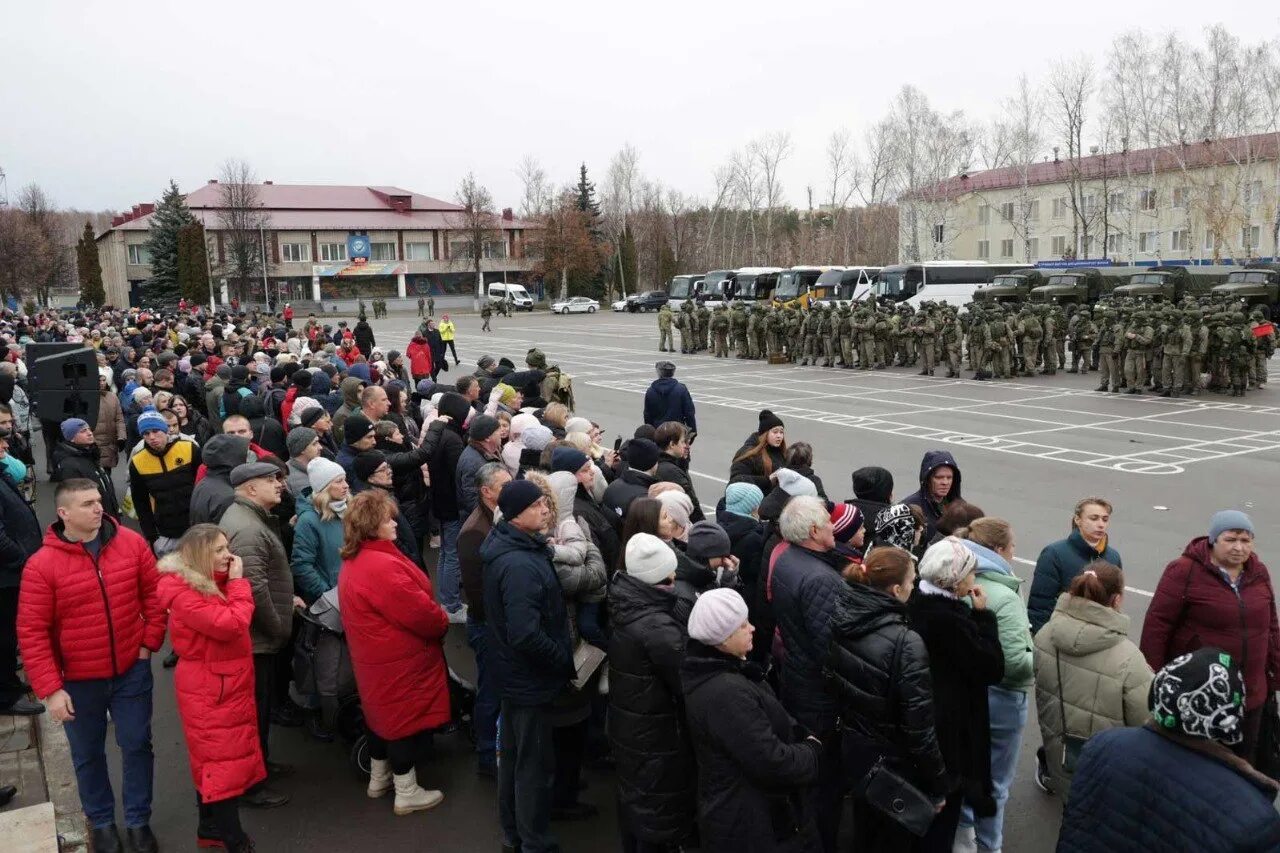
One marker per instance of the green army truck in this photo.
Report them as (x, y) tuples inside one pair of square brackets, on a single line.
[(1082, 286), (1258, 284), (1165, 284), (1013, 286)]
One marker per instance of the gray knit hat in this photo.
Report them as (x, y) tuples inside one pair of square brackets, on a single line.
[(300, 439)]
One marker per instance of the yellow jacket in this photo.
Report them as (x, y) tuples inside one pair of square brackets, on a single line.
[(446, 330)]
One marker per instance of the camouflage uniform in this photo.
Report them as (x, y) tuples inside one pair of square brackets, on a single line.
[(1109, 332), (664, 329), (1139, 336), (684, 325), (844, 329), (924, 331), (1031, 333), (1264, 348), (720, 332)]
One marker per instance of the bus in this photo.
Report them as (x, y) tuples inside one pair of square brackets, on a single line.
[(712, 287), (794, 283), (749, 284), (683, 287), (841, 285), (952, 282)]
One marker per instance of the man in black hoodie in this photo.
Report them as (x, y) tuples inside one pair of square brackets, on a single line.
[(642, 457), (872, 492), (443, 467), (939, 486), (267, 431), (213, 494)]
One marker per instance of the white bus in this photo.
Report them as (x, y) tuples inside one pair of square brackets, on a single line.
[(794, 283), (842, 285), (951, 282), (683, 287), (749, 284)]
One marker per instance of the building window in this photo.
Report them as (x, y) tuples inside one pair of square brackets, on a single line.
[(1090, 204), (418, 252), (984, 214), (1181, 197), (1250, 237), (1006, 248), (1088, 246), (331, 252), (1149, 242), (1059, 243), (461, 250), (1252, 193), (1115, 202), (495, 249), (1033, 248), (938, 233), (1006, 211), (1115, 244), (382, 251), (1033, 210), (1060, 207), (1180, 241), (1147, 200), (984, 249), (295, 253), (138, 254), (1210, 240)]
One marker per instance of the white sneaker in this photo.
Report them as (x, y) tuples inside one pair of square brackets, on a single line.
[(458, 617), (410, 797), (379, 778)]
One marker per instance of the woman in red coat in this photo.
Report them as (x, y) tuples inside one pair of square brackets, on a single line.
[(419, 354), (1218, 593), (210, 606), (394, 630)]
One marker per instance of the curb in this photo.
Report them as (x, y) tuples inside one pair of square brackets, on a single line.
[(60, 781)]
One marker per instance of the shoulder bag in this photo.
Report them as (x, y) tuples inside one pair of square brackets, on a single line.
[(1072, 745)]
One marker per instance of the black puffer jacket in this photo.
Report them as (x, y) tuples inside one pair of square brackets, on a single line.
[(965, 658), (752, 469), (444, 463), (656, 773), (673, 470), (753, 761), (604, 526), (804, 588), (622, 491), (72, 461), (267, 431), (880, 670)]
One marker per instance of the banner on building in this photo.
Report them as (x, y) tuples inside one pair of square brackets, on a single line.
[(1071, 265), (329, 270), (357, 249)]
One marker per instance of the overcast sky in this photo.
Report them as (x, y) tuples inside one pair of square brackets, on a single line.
[(103, 102)]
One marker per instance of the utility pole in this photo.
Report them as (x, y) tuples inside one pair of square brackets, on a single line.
[(262, 245)]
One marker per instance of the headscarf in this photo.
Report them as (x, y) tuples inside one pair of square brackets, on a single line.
[(1200, 694)]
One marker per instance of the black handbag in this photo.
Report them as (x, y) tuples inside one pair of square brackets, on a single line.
[(891, 793), (1072, 745)]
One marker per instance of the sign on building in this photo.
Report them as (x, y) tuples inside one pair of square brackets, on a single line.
[(357, 249)]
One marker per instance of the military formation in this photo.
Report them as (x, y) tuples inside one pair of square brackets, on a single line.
[(1132, 345)]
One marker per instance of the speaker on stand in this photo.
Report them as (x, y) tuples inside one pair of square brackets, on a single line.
[(62, 382)]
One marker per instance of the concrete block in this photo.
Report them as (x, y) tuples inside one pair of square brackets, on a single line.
[(60, 778), (16, 733), (29, 830)]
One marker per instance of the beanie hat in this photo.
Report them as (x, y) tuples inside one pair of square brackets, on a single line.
[(356, 428), (321, 472), (276, 373), (679, 507), (506, 394), (302, 380), (537, 437), (947, 562), (568, 459), (742, 498), (522, 422), (150, 420), (577, 424), (482, 427), (846, 519), (642, 454), (895, 526), (299, 439), (794, 484), (873, 484), (517, 496), (716, 615), (310, 416), (646, 431), (649, 559), (71, 426), (365, 463), (1228, 519), (424, 387), (768, 420), (140, 394), (1200, 694), (708, 539)]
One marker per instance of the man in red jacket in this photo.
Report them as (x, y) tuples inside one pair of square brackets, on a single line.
[(88, 620)]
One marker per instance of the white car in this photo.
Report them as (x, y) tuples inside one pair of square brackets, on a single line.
[(620, 305), (576, 305)]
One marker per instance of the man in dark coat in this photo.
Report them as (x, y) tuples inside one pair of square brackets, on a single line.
[(533, 656), (19, 539), (483, 442), (642, 457), (668, 400), (939, 486), (444, 500), (214, 493), (78, 456), (872, 492), (363, 334), (267, 431), (1059, 562), (673, 462)]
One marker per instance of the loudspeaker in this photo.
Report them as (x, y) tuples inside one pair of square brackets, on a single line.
[(62, 382)]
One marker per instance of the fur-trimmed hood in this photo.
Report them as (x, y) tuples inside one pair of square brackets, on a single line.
[(173, 564)]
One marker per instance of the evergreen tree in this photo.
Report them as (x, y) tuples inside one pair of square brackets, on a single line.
[(667, 266), (193, 264), (89, 269), (171, 216), (590, 282), (587, 201)]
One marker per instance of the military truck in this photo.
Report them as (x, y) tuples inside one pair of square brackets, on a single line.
[(1165, 284), (1258, 284), (1013, 286), (1080, 286)]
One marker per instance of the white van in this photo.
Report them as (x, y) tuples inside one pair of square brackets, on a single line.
[(513, 294)]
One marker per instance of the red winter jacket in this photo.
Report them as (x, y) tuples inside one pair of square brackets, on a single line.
[(419, 354), (1194, 607), (78, 619), (209, 628), (349, 355), (394, 630)]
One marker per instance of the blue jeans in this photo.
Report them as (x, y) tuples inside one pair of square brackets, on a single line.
[(1008, 712), (485, 713), (449, 575), (128, 698)]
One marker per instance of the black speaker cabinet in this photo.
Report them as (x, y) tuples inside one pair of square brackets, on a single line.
[(62, 382)]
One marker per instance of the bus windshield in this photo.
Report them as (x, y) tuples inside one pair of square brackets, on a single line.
[(788, 286), (897, 282), (680, 287)]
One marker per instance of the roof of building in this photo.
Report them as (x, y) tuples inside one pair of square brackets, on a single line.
[(315, 207), (1169, 158)]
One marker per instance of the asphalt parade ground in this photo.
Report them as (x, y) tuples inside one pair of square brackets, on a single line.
[(1027, 448)]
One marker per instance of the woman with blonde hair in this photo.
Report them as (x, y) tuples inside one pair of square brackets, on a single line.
[(210, 606), (395, 630), (317, 537)]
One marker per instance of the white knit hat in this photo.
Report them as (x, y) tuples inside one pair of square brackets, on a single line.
[(679, 507), (794, 484), (946, 563), (321, 472), (649, 559), (716, 615)]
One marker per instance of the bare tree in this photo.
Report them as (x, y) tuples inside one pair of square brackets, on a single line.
[(537, 199), (769, 152), (476, 225), (243, 224), (1070, 87), (54, 254)]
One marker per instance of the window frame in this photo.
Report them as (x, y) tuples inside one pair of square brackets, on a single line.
[(373, 253), (304, 256), (431, 250), (327, 256)]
